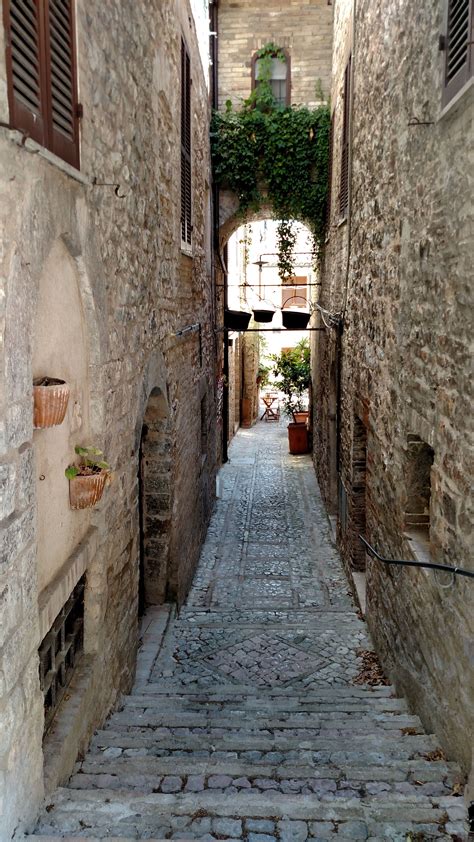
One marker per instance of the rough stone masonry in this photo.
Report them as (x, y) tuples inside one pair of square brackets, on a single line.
[(94, 288)]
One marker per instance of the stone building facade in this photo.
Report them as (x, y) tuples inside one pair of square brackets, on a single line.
[(304, 32), (97, 289), (392, 433)]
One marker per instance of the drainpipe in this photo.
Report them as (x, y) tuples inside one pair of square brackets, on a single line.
[(214, 54), (225, 405), (340, 329)]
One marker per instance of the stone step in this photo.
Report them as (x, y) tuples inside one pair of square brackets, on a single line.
[(179, 690), (346, 748), (109, 813), (216, 705), (151, 774), (356, 720), (284, 765)]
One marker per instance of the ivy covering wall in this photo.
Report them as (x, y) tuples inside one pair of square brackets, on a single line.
[(266, 153)]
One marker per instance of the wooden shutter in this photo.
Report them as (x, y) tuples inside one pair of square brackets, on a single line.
[(62, 104), (41, 73), (25, 68), (327, 220), (459, 47), (344, 183), (186, 181)]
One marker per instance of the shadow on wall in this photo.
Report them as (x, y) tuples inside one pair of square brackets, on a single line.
[(155, 503)]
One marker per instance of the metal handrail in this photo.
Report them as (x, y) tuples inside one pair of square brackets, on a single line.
[(458, 571)]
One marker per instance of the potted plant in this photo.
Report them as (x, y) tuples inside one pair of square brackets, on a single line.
[(87, 480), (50, 397), (293, 370), (262, 375)]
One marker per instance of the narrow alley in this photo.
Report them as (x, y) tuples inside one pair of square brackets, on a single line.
[(245, 721)]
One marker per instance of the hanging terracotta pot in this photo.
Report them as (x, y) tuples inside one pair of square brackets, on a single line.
[(295, 319), (85, 491), (263, 314), (51, 398), (236, 319)]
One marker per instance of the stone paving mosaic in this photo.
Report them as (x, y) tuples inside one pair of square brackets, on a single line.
[(245, 723)]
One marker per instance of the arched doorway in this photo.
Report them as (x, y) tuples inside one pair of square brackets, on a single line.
[(155, 503)]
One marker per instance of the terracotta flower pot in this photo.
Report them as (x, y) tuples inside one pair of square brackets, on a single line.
[(301, 417), (50, 401), (298, 438), (86, 491)]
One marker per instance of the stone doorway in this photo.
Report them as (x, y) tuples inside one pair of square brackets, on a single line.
[(155, 503)]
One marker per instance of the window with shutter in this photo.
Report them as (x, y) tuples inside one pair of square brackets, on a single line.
[(459, 47), (41, 73), (186, 180), (344, 182)]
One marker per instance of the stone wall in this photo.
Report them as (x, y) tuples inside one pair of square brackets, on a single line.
[(404, 349), (303, 29), (110, 274)]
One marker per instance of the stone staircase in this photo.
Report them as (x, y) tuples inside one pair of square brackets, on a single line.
[(185, 760), (245, 721)]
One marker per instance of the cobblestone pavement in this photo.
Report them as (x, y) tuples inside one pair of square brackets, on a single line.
[(244, 722)]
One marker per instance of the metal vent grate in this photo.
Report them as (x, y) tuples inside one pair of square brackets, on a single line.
[(25, 54), (59, 650), (62, 82), (458, 37)]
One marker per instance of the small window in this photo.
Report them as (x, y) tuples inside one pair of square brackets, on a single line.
[(60, 650), (186, 178), (418, 477), (41, 74), (458, 44), (280, 81), (294, 291), (344, 183)]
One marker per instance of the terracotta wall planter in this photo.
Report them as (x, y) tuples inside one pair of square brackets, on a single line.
[(51, 398), (298, 441), (86, 491)]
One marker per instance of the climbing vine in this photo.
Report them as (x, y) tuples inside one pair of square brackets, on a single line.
[(265, 152)]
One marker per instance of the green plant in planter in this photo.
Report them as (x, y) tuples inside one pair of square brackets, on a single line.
[(92, 463), (293, 370), (263, 375)]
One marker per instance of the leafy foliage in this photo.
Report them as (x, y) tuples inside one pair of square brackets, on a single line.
[(293, 370), (92, 462), (265, 152)]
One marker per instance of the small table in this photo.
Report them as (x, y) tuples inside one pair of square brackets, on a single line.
[(272, 407)]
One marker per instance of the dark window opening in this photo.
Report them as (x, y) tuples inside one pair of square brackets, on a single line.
[(41, 74), (204, 426), (186, 175), (459, 47), (358, 496), (344, 183), (59, 651), (418, 477)]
